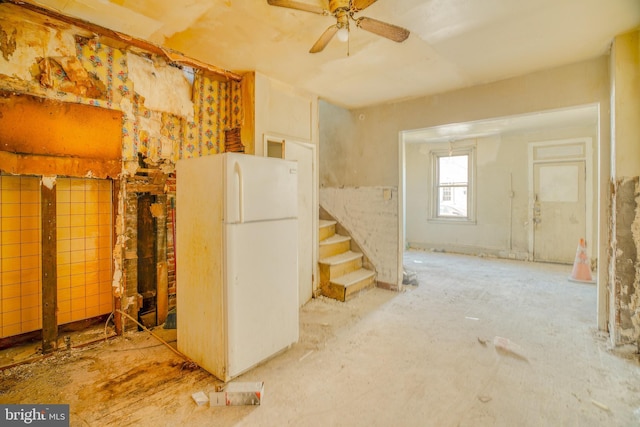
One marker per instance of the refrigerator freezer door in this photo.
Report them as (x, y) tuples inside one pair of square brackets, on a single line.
[(262, 291), (260, 188)]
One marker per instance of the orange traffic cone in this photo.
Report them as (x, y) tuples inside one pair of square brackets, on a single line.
[(581, 269)]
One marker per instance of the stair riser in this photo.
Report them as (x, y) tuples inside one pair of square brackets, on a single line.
[(338, 270), (327, 272), (339, 292), (334, 249), (353, 290), (326, 232)]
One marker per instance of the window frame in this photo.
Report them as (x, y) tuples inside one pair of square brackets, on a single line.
[(436, 154)]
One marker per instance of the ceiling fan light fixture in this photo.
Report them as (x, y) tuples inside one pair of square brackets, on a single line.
[(343, 34), (343, 11)]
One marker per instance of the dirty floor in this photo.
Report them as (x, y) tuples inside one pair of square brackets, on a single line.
[(478, 342)]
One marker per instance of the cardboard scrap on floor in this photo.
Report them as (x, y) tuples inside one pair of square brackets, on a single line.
[(239, 393), (200, 398)]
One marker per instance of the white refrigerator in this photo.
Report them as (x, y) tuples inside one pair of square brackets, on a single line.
[(237, 260)]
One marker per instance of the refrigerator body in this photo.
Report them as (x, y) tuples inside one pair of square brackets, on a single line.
[(236, 256)]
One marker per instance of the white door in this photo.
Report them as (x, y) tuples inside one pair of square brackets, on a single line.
[(304, 155), (559, 210)]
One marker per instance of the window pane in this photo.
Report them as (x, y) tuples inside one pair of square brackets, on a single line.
[(453, 170), (453, 176), (452, 201)]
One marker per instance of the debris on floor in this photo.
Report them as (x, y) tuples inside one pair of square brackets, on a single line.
[(172, 320), (601, 405), (507, 347), (200, 398), (239, 393), (409, 277), (484, 398)]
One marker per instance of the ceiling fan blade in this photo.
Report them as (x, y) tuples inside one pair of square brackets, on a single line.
[(324, 39), (390, 31), (292, 4), (358, 5)]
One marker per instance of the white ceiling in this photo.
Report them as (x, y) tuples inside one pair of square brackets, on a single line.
[(453, 43)]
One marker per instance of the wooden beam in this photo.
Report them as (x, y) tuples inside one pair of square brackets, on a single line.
[(33, 164), (49, 268), (145, 188)]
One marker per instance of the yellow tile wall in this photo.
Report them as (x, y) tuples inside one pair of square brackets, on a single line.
[(20, 257), (83, 248), (83, 251)]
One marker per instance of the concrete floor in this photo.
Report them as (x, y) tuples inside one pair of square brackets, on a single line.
[(426, 357)]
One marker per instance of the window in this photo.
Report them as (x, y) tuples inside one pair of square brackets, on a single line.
[(452, 184)]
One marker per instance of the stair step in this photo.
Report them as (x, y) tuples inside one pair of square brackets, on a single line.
[(334, 245), (341, 258), (354, 277), (326, 223), (327, 229), (345, 287), (338, 265)]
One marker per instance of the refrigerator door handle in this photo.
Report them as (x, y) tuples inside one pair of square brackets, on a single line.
[(238, 170)]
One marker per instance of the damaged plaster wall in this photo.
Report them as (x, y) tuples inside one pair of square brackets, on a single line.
[(624, 266), (164, 117), (163, 88)]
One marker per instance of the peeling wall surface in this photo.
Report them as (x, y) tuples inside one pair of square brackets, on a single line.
[(179, 119), (370, 215), (107, 109), (624, 267), (163, 88), (626, 247)]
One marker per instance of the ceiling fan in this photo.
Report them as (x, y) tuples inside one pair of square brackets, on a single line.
[(343, 11)]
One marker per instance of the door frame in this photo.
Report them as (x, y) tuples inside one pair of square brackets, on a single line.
[(583, 152), (285, 140)]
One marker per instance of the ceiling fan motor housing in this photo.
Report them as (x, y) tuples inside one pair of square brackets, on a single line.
[(335, 5)]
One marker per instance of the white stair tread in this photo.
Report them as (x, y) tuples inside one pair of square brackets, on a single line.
[(341, 258), (336, 238), (326, 223), (353, 277)]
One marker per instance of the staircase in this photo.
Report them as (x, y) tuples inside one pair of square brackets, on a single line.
[(341, 273)]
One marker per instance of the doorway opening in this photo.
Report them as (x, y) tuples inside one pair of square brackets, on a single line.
[(146, 251), (511, 190)]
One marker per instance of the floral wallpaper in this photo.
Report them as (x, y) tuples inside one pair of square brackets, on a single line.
[(217, 106)]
